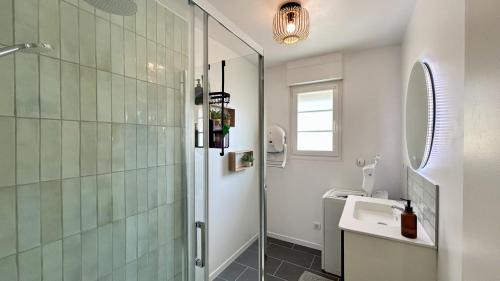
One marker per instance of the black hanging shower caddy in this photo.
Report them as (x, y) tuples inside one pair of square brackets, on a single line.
[(221, 99)]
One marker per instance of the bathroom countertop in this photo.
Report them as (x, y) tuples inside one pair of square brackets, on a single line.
[(348, 222)]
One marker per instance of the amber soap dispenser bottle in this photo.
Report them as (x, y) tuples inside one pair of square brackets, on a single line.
[(408, 221)]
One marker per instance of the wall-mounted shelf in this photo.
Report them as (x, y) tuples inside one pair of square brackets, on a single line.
[(235, 163), (219, 97), (219, 139)]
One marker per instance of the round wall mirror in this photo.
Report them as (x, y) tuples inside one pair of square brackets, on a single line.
[(420, 113)]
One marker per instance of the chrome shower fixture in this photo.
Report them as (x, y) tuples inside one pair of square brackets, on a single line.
[(117, 7), (33, 48)]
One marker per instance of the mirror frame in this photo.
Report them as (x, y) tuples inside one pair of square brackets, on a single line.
[(431, 116)]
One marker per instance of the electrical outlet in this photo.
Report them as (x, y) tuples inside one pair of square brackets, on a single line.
[(316, 225), (360, 162)]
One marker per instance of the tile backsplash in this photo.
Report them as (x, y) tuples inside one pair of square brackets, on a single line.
[(91, 170), (425, 199)]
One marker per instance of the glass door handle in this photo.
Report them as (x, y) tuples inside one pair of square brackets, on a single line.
[(200, 261)]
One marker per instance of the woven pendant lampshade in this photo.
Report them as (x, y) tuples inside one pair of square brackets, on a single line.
[(291, 23)]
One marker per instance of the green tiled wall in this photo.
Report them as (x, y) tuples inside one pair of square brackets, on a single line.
[(90, 143)]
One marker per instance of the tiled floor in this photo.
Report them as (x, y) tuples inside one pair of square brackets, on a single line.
[(285, 262)]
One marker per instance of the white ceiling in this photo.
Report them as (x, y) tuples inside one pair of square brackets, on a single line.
[(336, 25)]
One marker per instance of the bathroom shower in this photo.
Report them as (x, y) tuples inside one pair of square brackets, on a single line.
[(97, 170), (92, 167)]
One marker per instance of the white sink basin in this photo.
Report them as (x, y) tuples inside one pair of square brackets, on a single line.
[(376, 217), (372, 212)]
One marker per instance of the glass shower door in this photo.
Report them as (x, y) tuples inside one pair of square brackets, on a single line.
[(233, 159), (227, 132)]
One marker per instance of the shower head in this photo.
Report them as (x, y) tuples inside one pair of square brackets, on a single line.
[(117, 7), (33, 48)]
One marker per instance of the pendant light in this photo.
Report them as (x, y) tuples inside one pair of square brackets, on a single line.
[(291, 23)]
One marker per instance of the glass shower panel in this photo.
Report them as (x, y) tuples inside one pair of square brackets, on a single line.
[(233, 155), (92, 163)]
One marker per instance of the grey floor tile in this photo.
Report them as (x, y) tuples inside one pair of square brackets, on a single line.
[(277, 251), (248, 258), (232, 272), (326, 275), (316, 265), (250, 274), (279, 242), (307, 250), (270, 277), (285, 262), (271, 265), (290, 272), (290, 255), (255, 246)]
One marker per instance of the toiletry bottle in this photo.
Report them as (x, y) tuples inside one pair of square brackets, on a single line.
[(408, 221), (198, 92)]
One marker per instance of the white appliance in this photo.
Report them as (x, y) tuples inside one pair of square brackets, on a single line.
[(333, 205), (276, 139), (276, 147)]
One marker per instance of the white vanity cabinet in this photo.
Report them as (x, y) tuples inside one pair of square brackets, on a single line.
[(375, 250), (369, 258)]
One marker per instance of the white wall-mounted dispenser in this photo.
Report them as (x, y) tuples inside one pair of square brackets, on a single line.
[(276, 147)]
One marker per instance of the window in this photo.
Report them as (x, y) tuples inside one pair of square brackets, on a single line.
[(315, 119)]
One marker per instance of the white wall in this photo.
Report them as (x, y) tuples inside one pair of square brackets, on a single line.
[(435, 34), (371, 124), (482, 135), (233, 196)]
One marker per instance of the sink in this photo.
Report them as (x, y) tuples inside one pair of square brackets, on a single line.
[(376, 217), (372, 212)]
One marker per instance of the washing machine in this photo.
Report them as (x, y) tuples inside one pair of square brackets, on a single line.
[(333, 205)]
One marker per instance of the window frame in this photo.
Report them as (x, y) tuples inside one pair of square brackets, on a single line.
[(295, 90)]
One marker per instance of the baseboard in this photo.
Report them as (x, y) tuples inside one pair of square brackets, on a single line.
[(233, 257), (295, 240)]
